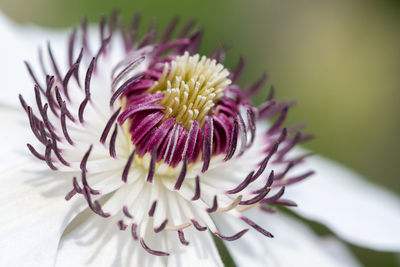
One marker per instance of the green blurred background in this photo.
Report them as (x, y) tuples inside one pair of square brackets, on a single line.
[(339, 59)]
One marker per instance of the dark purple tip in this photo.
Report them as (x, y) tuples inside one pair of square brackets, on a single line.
[(152, 166), (233, 237), (197, 189), (151, 251), (256, 226)]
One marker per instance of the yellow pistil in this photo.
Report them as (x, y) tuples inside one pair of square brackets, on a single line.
[(191, 86)]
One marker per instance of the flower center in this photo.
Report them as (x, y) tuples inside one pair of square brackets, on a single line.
[(181, 109), (191, 86)]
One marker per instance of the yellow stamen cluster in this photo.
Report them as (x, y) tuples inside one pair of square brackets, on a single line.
[(191, 86)]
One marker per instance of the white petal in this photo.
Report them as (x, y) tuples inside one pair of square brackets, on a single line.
[(98, 242), (21, 43), (35, 212), (200, 252), (356, 210), (293, 244), (13, 136), (32, 222)]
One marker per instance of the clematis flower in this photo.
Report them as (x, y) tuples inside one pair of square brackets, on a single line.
[(141, 150)]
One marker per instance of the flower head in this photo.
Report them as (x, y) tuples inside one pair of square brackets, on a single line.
[(146, 145), (165, 135)]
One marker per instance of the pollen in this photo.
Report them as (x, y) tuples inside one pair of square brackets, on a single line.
[(191, 85)]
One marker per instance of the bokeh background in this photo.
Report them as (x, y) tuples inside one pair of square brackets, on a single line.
[(339, 59)]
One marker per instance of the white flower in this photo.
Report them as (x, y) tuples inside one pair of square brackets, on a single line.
[(146, 188)]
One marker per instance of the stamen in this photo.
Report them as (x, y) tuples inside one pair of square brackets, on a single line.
[(122, 226), (112, 142), (182, 175), (252, 124), (41, 61), (268, 183), (125, 210), (81, 110), (58, 152), (242, 185), (133, 110), (71, 43), (85, 158), (124, 73), (101, 26), (278, 122), (233, 205), (64, 124), (124, 87), (152, 166), (33, 126), (32, 74), (53, 62), (194, 44), (256, 226), (197, 189), (35, 153), (88, 77), (286, 202), (147, 39), (294, 180), (214, 206), (85, 44), (281, 175), (95, 205), (271, 94), (264, 163), (191, 141), (198, 226), (268, 209), (102, 49), (49, 95), (274, 197), (153, 208), (255, 87), (46, 120), (176, 43), (238, 70), (219, 54), (233, 237), (38, 99), (207, 143), (248, 207), (48, 157), (128, 167), (60, 102), (76, 186), (182, 238), (23, 103), (70, 195), (177, 227), (169, 30), (151, 251), (233, 142), (243, 135), (108, 126), (161, 227), (133, 231)]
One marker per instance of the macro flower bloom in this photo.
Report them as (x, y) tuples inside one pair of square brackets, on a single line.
[(142, 149)]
